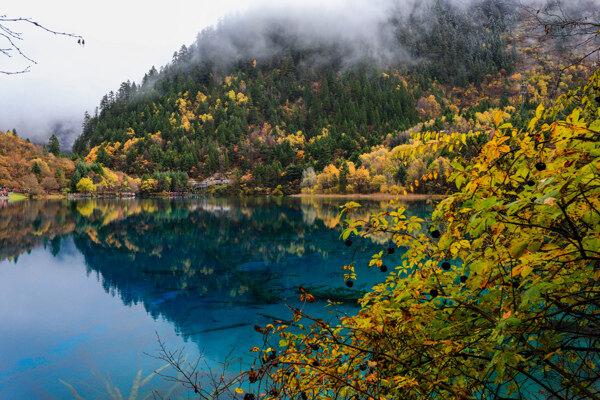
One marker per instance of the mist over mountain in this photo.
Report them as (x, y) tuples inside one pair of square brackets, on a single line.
[(346, 34), (351, 33), (274, 91)]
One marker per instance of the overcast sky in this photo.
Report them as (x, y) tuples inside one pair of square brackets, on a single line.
[(123, 39)]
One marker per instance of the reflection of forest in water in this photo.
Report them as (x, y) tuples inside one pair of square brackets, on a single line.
[(194, 260)]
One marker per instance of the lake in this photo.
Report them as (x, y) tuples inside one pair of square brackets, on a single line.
[(87, 286)]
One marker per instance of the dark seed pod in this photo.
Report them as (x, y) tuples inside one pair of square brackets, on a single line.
[(348, 242), (531, 182), (304, 396), (390, 250), (445, 265), (540, 166), (383, 268), (349, 283), (273, 355), (435, 234), (249, 396), (433, 292), (463, 278), (314, 346), (363, 367), (315, 363)]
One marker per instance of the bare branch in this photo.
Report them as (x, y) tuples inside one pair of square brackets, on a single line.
[(11, 37)]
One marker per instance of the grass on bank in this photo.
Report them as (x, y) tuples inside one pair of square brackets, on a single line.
[(17, 197)]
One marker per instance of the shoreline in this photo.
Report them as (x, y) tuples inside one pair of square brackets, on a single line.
[(367, 196), (371, 196)]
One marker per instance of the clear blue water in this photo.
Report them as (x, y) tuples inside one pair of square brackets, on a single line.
[(86, 286)]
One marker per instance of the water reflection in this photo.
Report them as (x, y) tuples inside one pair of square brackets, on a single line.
[(210, 268)]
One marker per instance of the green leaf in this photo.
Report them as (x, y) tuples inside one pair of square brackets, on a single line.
[(517, 249)]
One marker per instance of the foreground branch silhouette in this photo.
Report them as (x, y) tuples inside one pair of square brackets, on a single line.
[(10, 40)]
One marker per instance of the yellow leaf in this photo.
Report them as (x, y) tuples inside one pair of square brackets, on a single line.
[(532, 123), (239, 390), (526, 270), (255, 349), (516, 270), (498, 117), (539, 110)]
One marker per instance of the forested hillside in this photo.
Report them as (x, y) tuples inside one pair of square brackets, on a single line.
[(25, 166), (266, 117), (30, 168)]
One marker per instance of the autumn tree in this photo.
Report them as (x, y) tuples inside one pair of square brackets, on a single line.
[(328, 179), (85, 185), (309, 178), (496, 296)]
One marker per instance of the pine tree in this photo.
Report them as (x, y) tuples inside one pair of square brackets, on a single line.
[(343, 177), (53, 145), (37, 170)]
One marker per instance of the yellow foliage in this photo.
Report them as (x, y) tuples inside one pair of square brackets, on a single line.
[(112, 149), (296, 140), (201, 97), (231, 95), (206, 117), (328, 178), (128, 144), (324, 133), (92, 155), (377, 160), (360, 179), (85, 185), (241, 98), (148, 185)]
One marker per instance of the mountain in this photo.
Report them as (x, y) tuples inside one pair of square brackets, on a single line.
[(266, 97)]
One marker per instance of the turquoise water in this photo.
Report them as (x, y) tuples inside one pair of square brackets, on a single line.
[(86, 287)]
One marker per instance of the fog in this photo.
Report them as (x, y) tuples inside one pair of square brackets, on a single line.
[(124, 39)]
